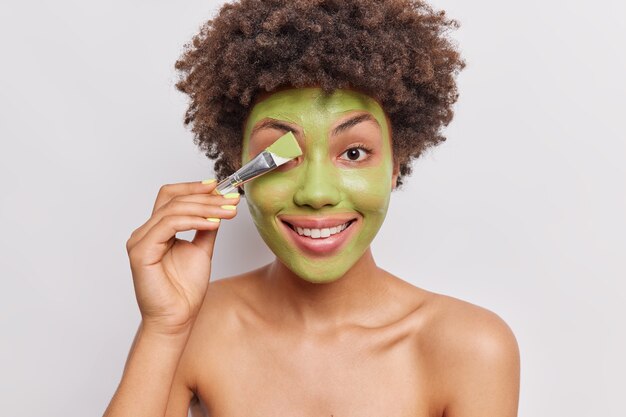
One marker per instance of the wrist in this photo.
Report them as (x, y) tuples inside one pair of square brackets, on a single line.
[(158, 330)]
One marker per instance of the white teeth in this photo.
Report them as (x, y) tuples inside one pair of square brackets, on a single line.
[(321, 233)]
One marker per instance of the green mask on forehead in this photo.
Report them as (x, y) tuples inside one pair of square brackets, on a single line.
[(325, 180)]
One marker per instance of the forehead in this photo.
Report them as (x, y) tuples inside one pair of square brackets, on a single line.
[(310, 105)]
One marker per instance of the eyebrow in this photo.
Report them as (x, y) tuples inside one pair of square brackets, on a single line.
[(347, 124), (353, 121), (273, 124)]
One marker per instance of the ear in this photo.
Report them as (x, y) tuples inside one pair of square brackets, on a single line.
[(395, 174)]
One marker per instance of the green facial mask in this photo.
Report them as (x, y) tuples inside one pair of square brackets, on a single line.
[(325, 180)]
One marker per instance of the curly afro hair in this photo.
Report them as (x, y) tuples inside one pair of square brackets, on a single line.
[(395, 51)]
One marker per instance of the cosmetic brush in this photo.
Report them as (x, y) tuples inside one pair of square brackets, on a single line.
[(281, 151)]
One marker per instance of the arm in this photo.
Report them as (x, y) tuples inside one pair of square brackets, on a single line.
[(170, 277), (148, 375)]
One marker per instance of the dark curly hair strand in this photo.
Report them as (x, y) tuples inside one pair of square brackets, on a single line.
[(395, 51)]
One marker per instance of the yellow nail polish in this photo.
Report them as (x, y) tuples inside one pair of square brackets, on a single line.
[(213, 219), (229, 207), (209, 181), (231, 195)]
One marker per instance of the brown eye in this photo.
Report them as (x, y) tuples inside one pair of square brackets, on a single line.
[(353, 154), (356, 154)]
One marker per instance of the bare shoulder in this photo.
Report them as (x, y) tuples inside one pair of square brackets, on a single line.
[(459, 326), (227, 300), (474, 353), (467, 353), (219, 310), (447, 326), (223, 303)]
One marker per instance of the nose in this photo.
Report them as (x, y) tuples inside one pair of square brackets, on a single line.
[(317, 185)]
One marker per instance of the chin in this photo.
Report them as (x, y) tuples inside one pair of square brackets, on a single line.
[(325, 277), (320, 280)]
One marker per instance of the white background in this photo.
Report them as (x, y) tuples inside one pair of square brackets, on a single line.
[(521, 211)]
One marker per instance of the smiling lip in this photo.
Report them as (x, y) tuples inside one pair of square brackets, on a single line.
[(320, 245)]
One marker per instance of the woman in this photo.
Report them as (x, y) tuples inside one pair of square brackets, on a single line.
[(365, 86)]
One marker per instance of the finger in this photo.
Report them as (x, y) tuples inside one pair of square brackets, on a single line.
[(169, 191), (231, 199), (212, 199), (156, 242), (205, 240), (185, 208)]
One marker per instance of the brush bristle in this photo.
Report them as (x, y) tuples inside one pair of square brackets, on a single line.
[(286, 147)]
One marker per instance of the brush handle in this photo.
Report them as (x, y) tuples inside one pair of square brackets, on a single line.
[(229, 185), (259, 165)]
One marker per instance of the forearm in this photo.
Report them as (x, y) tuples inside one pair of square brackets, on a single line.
[(148, 375)]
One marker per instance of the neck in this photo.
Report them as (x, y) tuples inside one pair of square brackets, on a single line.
[(350, 299)]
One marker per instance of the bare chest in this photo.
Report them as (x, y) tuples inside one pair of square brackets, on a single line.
[(356, 373)]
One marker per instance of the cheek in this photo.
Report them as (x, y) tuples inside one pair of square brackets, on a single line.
[(268, 194), (368, 188)]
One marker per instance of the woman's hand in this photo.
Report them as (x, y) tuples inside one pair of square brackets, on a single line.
[(171, 275)]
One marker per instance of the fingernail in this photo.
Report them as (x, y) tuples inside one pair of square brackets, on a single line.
[(231, 195), (209, 181), (213, 219), (229, 207)]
